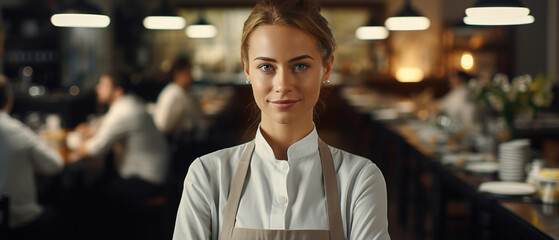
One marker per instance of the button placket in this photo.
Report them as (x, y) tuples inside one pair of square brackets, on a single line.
[(281, 199)]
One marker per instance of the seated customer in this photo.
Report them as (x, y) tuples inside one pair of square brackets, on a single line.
[(23, 154), (176, 110), (140, 151)]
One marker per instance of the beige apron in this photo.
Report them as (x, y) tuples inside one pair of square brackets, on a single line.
[(335, 228)]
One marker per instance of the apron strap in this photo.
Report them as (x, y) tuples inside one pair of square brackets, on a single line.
[(235, 193), (335, 225)]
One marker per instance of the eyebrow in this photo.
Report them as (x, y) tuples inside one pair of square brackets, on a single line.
[(291, 60)]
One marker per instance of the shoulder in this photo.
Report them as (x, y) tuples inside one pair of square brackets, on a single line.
[(222, 160), (16, 132), (353, 166), (127, 108), (171, 90)]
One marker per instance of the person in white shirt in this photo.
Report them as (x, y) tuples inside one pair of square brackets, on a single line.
[(286, 183), (458, 103), (22, 155), (176, 111), (129, 131)]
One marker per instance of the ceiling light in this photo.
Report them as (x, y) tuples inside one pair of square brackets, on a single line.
[(498, 12), (407, 20), (371, 31), (201, 29), (164, 19), (80, 14), (164, 22)]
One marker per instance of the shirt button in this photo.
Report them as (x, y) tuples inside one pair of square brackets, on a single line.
[(284, 166), (282, 200)]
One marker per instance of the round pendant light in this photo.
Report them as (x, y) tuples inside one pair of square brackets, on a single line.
[(80, 14), (164, 19), (407, 20), (201, 29), (498, 12), (372, 31)]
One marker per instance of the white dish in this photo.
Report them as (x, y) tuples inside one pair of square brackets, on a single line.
[(511, 175), (483, 167), (476, 157), (513, 155), (507, 188), (463, 157), (505, 162), (506, 156), (512, 166)]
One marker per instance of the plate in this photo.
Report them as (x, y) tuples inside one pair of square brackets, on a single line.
[(482, 167), (461, 158), (507, 188)]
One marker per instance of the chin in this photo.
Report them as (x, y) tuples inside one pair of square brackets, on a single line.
[(288, 118)]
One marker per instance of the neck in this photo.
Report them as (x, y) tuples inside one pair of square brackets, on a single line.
[(182, 84), (282, 136), (115, 97)]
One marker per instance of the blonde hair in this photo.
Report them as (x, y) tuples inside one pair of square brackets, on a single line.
[(301, 14)]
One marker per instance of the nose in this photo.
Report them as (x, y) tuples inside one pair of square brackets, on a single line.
[(283, 82)]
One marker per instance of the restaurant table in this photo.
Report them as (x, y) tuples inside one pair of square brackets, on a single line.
[(489, 217)]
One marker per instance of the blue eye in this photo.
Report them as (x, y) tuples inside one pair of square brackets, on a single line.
[(265, 67), (300, 67)]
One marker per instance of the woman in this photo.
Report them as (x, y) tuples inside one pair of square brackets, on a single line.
[(286, 183)]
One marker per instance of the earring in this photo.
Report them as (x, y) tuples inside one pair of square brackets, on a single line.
[(327, 81), (247, 82)]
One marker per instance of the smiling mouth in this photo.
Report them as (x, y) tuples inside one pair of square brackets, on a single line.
[(284, 104)]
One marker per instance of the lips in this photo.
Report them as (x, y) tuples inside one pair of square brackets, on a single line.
[(284, 104)]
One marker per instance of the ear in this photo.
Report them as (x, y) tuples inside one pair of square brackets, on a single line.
[(9, 103), (328, 68), (246, 68), (118, 92)]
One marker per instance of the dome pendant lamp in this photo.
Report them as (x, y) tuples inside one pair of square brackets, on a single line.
[(80, 14), (164, 19), (498, 12), (371, 31), (201, 29), (407, 20)]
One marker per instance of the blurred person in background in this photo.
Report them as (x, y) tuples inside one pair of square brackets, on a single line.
[(286, 183), (129, 133), (176, 111), (22, 155), (459, 102)]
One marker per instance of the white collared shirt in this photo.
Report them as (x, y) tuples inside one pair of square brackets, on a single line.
[(144, 148), (176, 111), (282, 194), (457, 104), (22, 155)]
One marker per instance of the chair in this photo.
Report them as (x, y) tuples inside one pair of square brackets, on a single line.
[(4, 216)]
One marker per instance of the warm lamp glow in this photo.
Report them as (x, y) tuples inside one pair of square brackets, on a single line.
[(371, 33), (467, 61), (201, 31), (498, 20), (407, 23), (497, 11), (498, 15), (409, 74), (164, 22), (80, 20)]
